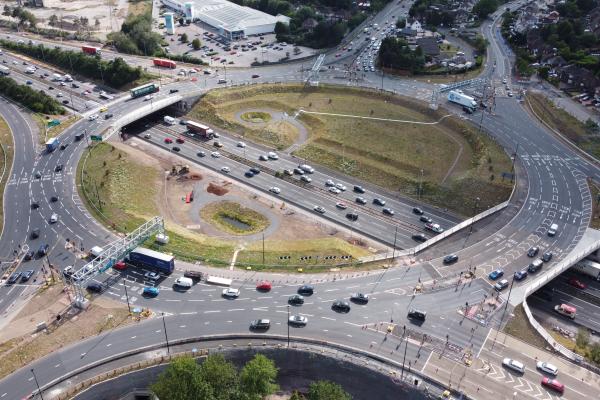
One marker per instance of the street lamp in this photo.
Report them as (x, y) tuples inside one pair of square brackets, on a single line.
[(37, 384), (404, 359), (166, 337), (127, 296), (288, 325)]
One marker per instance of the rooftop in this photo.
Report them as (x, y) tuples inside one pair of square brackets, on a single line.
[(233, 17)]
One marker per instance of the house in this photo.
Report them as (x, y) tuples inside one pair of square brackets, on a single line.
[(309, 23), (554, 61), (407, 32), (429, 46), (415, 25), (578, 78), (550, 18)]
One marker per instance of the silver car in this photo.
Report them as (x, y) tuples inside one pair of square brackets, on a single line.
[(547, 368), (515, 365), (298, 320)]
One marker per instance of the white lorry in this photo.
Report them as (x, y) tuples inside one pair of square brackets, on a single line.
[(588, 267), (458, 97), (169, 120)]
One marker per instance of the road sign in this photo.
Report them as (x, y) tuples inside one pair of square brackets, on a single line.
[(96, 138)]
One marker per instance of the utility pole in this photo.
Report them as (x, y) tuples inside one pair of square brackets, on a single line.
[(166, 337), (127, 296), (263, 249), (288, 326), (405, 347), (394, 248), (37, 384)]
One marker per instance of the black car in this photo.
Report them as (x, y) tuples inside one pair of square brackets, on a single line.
[(34, 234), (201, 154), (306, 290), (361, 200), (450, 259), (173, 90), (419, 237), (29, 255), (417, 315), (94, 287), (13, 278), (547, 256), (64, 146), (378, 202), (417, 211), (58, 168), (533, 251), (260, 324), (388, 211), (352, 216), (248, 174), (359, 189), (340, 306), (35, 205), (74, 85), (296, 299), (176, 149), (43, 250), (26, 275), (65, 101), (54, 199), (255, 170), (360, 298), (425, 219), (108, 116)]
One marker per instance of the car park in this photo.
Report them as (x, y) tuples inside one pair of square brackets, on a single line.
[(150, 291), (496, 274), (297, 320), (264, 286), (547, 368), (231, 293), (450, 259), (515, 365), (296, 300), (532, 252), (360, 298), (500, 286), (520, 275), (419, 237), (260, 324), (553, 384), (306, 290), (341, 306)]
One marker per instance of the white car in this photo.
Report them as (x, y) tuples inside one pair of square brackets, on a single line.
[(547, 368), (147, 136), (306, 179), (335, 190), (319, 209), (225, 169), (341, 187), (152, 276), (275, 190), (298, 320), (93, 117), (59, 94), (434, 228), (514, 365), (54, 218), (273, 156), (231, 292), (215, 154), (329, 182), (148, 97), (241, 144)]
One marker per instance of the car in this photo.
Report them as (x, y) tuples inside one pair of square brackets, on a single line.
[(417, 210), (272, 156), (148, 97), (577, 283), (520, 275), (298, 320), (94, 287), (425, 219), (296, 299), (306, 290), (264, 286), (180, 140), (329, 183), (35, 205), (547, 368), (120, 266), (378, 202), (450, 259), (34, 234), (248, 174), (13, 278), (352, 216), (419, 237), (29, 255), (360, 298), (38, 174), (496, 274), (218, 144), (275, 190), (341, 306), (340, 187), (74, 85), (553, 384), (434, 228), (150, 291), (64, 146), (334, 190), (416, 315), (168, 140), (225, 170), (176, 149), (201, 154), (255, 170), (547, 256), (58, 168), (92, 117), (26, 275), (29, 82), (173, 90), (215, 154), (515, 365), (532, 252), (361, 200), (59, 94), (298, 171), (54, 199), (305, 179), (288, 172), (231, 292), (341, 206), (54, 218), (262, 157), (388, 211), (152, 276), (50, 88), (500, 286), (260, 324), (319, 209)]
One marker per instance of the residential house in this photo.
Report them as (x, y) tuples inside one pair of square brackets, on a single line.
[(429, 46), (579, 78), (415, 25), (407, 32)]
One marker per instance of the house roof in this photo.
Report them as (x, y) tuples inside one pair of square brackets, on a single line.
[(408, 32), (429, 46)]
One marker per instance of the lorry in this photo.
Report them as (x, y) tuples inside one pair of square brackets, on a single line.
[(91, 50), (96, 251), (589, 268), (458, 97), (200, 129), (52, 144), (161, 62), (4, 70), (67, 78), (215, 280), (143, 257), (169, 120), (57, 77)]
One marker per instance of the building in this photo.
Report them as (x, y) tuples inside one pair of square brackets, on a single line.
[(429, 46), (231, 20), (170, 23)]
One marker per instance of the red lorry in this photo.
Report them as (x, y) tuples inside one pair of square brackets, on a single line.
[(160, 62), (91, 50), (200, 129)]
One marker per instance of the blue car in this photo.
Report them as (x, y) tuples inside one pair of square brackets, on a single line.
[(496, 274), (520, 275), (150, 291)]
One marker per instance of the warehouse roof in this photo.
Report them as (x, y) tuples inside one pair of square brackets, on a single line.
[(233, 17)]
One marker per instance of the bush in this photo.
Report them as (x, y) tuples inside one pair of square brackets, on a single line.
[(25, 95)]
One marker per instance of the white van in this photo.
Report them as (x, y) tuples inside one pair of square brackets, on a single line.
[(169, 120), (184, 282), (222, 81), (553, 229), (96, 251)]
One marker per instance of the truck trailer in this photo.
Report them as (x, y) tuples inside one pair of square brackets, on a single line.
[(458, 97), (589, 268), (200, 129), (142, 257), (161, 62), (52, 144), (91, 50), (4, 70)]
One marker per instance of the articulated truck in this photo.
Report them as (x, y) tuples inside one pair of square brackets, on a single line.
[(458, 97), (143, 257), (589, 268), (91, 50)]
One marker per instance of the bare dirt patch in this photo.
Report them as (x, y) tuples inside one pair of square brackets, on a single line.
[(216, 189)]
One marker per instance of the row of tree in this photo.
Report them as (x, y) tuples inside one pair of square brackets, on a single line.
[(136, 36), (396, 54), (25, 18), (115, 73), (25, 95), (218, 379)]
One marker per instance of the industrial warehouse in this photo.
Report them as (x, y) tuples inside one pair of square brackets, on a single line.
[(231, 21)]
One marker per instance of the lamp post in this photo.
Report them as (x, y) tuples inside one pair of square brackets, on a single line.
[(37, 384), (288, 325), (405, 347), (127, 296), (166, 337)]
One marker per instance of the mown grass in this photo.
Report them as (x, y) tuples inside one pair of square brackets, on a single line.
[(54, 131), (7, 154), (386, 153), (219, 211), (256, 117)]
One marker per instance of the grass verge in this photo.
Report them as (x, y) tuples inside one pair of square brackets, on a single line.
[(595, 220), (225, 214), (54, 131), (256, 117), (519, 327), (139, 7), (454, 159), (7, 154)]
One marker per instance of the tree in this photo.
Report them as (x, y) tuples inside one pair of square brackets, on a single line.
[(583, 338), (221, 375), (7, 11), (97, 24), (184, 38), (296, 396), (483, 8), (182, 380), (196, 44), (326, 390), (401, 23), (53, 20), (257, 378)]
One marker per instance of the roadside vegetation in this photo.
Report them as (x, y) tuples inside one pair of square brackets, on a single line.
[(47, 131), (595, 220), (585, 135), (215, 378), (581, 345), (30, 98), (7, 155), (518, 326), (457, 163), (232, 217), (256, 117)]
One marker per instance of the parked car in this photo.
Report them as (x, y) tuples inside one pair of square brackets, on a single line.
[(547, 256), (533, 251), (500, 286), (520, 275)]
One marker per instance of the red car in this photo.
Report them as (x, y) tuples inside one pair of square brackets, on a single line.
[(180, 140), (553, 384), (168, 140), (577, 283), (264, 286), (120, 266)]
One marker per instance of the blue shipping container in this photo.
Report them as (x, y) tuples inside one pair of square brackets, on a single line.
[(143, 257)]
